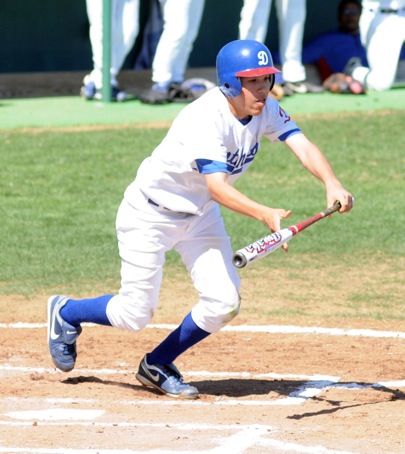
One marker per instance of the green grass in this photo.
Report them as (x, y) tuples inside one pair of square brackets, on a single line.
[(365, 152), (60, 111), (59, 193), (59, 196)]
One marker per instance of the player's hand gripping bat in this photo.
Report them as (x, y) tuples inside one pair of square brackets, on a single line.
[(270, 243)]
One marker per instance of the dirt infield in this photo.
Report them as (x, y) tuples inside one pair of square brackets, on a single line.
[(269, 389)]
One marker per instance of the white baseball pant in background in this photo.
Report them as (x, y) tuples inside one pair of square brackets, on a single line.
[(181, 23), (382, 29), (124, 31), (291, 16)]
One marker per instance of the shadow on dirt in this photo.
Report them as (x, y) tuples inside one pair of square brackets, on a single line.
[(229, 387), (92, 379), (272, 389), (239, 387), (336, 405)]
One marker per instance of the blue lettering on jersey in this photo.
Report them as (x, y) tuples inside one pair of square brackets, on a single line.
[(238, 159), (234, 164)]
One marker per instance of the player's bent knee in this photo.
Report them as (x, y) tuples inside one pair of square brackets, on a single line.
[(212, 315), (126, 313)]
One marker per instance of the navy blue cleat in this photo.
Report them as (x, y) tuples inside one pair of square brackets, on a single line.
[(116, 94), (166, 378), (88, 90), (61, 336)]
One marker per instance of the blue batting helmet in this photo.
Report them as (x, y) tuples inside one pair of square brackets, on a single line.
[(242, 58)]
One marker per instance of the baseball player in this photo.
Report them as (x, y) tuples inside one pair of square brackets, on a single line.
[(174, 203), (124, 31), (291, 21), (181, 23), (332, 50), (382, 29)]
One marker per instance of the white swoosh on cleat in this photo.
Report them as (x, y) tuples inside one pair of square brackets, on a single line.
[(154, 377), (53, 334)]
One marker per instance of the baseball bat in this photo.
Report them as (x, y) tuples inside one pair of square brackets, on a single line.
[(270, 243)]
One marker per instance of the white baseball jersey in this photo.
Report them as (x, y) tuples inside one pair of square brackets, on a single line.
[(206, 138)]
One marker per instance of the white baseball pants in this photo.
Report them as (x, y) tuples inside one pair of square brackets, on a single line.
[(145, 233)]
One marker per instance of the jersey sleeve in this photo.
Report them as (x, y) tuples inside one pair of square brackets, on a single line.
[(279, 126), (207, 166)]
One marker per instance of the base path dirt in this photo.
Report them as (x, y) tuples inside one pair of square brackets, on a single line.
[(259, 393)]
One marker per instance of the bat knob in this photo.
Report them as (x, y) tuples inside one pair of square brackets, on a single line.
[(239, 260)]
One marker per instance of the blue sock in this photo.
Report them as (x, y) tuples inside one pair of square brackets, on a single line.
[(91, 310), (181, 339)]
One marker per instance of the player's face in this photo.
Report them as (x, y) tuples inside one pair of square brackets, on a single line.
[(349, 19), (253, 97)]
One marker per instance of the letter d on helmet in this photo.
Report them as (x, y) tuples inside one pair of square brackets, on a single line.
[(242, 58)]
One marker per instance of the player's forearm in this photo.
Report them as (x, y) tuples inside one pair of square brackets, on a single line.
[(234, 200), (314, 161), (317, 164)]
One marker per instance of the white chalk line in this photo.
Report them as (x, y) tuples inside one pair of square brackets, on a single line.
[(287, 447), (269, 329), (294, 447), (246, 436)]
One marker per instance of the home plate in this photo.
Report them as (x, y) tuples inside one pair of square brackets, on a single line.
[(56, 414)]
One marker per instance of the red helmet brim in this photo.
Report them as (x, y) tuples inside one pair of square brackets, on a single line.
[(257, 72)]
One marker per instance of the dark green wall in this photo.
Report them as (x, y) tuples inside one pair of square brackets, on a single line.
[(43, 35), (52, 35)]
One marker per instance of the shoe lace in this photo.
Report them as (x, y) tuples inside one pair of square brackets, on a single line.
[(173, 376), (177, 381), (68, 350)]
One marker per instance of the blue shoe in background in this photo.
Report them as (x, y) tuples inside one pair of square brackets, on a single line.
[(88, 90)]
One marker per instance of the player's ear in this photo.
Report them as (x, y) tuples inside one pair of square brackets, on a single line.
[(272, 81)]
